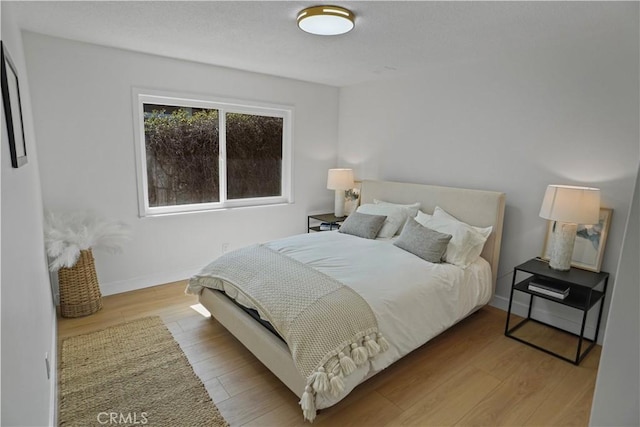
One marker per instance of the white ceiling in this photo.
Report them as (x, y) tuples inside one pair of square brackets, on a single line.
[(390, 38)]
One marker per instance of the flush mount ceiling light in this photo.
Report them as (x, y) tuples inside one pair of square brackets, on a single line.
[(326, 20)]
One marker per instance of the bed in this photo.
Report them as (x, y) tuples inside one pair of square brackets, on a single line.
[(425, 311)]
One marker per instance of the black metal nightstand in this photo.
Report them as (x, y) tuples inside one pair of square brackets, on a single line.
[(331, 219), (582, 296)]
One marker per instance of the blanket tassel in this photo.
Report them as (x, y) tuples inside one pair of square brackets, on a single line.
[(383, 343), (337, 385), (321, 382), (359, 354), (308, 404), (372, 347), (346, 363)]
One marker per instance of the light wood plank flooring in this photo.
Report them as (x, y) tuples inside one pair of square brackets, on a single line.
[(469, 375)]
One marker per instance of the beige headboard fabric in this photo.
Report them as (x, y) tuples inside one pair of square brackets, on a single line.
[(476, 207)]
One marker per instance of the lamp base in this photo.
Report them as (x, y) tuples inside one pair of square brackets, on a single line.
[(562, 241), (339, 204)]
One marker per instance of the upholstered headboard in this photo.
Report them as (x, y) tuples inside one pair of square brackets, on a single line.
[(476, 207)]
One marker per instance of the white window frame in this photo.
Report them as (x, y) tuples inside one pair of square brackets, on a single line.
[(224, 106)]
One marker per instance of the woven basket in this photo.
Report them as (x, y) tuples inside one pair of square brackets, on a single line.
[(79, 290)]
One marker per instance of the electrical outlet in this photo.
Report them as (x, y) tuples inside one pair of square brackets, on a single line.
[(225, 247), (46, 362)]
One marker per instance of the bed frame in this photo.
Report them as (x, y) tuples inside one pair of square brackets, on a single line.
[(476, 207)]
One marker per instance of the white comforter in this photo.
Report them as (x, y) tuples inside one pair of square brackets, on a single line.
[(413, 300)]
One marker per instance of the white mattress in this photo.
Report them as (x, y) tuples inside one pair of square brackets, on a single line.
[(413, 300)]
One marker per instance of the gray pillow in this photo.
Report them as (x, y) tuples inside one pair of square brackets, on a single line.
[(363, 225), (428, 244)]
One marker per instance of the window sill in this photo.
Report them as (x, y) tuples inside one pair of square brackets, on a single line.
[(209, 209)]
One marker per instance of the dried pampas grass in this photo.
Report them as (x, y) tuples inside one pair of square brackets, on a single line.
[(66, 234)]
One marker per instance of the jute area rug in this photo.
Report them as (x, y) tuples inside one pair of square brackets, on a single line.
[(130, 375)]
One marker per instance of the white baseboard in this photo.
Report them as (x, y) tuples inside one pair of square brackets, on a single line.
[(53, 369), (546, 316), (111, 288)]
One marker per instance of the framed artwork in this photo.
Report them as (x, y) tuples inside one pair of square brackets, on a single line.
[(352, 198), (589, 245), (12, 109)]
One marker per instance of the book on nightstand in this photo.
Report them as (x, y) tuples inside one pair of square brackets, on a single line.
[(548, 288), (326, 226)]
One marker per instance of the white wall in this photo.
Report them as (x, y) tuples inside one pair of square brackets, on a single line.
[(82, 96), (512, 123), (616, 401), (28, 315)]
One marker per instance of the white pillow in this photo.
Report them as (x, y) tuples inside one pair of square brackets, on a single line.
[(422, 217), (466, 242), (441, 213), (410, 209), (395, 217)]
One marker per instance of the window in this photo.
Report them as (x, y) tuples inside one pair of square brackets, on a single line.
[(201, 154)]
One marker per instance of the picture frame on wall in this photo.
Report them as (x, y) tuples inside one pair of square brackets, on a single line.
[(588, 249), (12, 108), (352, 198)]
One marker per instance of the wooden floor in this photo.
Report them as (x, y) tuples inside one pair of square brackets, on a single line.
[(469, 375)]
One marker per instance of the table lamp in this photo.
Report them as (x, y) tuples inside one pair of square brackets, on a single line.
[(568, 206), (340, 180)]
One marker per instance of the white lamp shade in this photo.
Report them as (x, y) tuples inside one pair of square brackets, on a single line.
[(340, 179), (565, 203)]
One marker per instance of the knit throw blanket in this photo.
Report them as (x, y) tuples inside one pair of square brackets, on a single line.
[(329, 328)]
